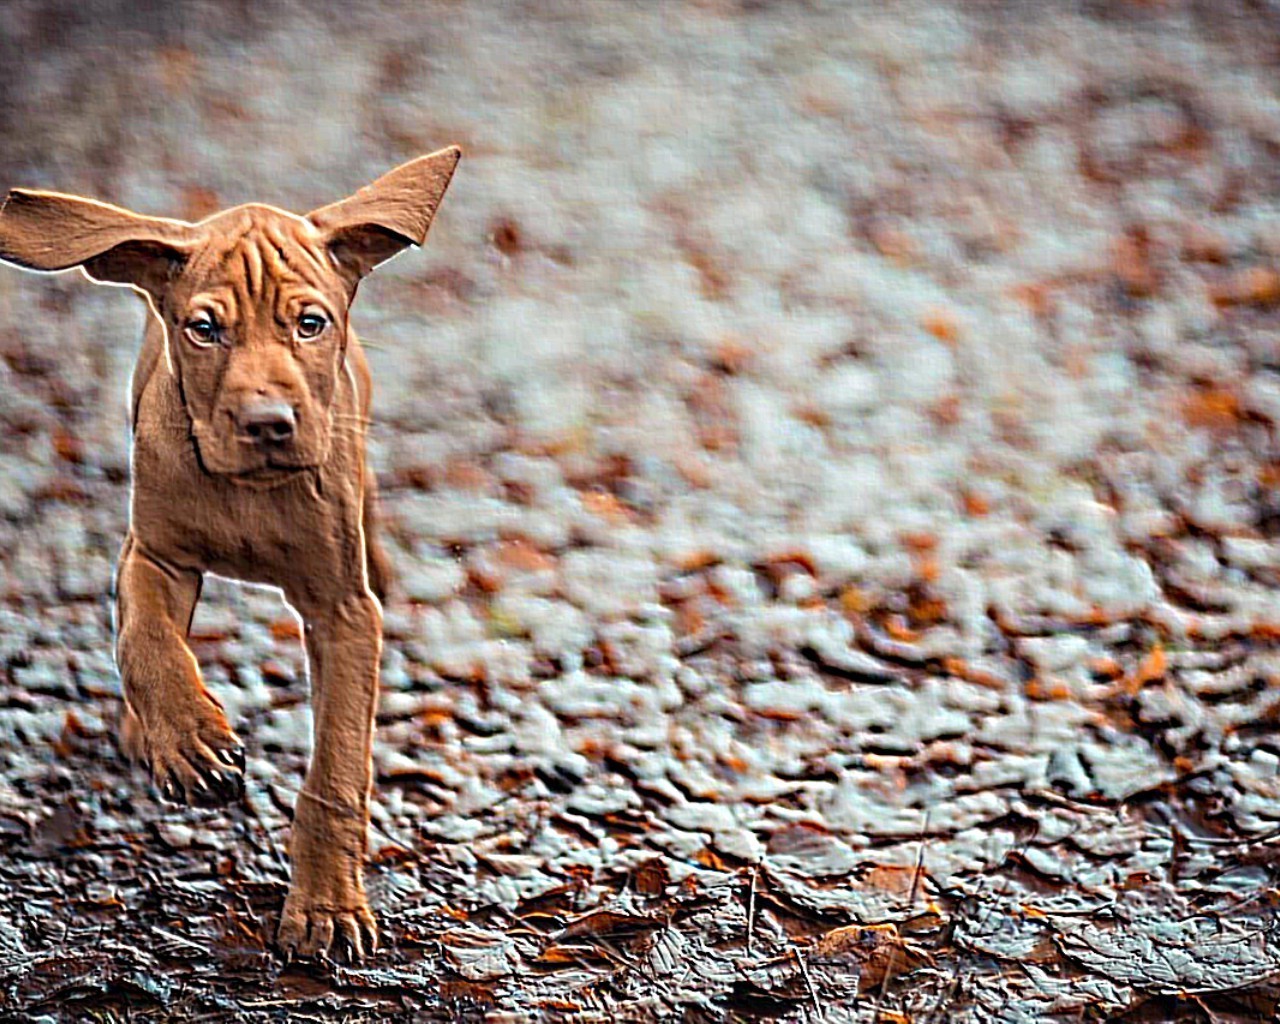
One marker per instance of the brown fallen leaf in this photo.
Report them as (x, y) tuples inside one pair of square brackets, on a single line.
[(560, 955), (286, 629), (1150, 669), (1212, 408), (878, 949), (607, 923), (652, 877), (1257, 286)]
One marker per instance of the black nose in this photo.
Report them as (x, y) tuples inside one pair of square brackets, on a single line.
[(266, 421)]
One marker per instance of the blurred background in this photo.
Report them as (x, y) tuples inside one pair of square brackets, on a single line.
[(828, 452)]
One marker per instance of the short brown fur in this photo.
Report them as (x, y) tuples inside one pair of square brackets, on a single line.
[(249, 462)]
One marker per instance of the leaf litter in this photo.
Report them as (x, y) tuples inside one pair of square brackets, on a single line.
[(905, 652)]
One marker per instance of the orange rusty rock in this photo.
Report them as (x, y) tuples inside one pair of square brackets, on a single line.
[(779, 562), (731, 355), (946, 411), (693, 471), (926, 609), (853, 601), (975, 504), (523, 556), (893, 244), (1076, 362), (693, 560), (1203, 245), (506, 236), (896, 626), (1131, 263), (894, 878), (942, 324), (466, 476), (434, 717), (778, 714), (734, 763), (483, 578), (1037, 297), (1150, 669), (1262, 286), (919, 540), (1257, 286), (607, 505), (62, 488), (708, 858), (811, 414), (1095, 616), (1212, 408), (1040, 689), (67, 447), (718, 436), (720, 594), (961, 669), (1269, 475), (286, 629), (689, 620), (418, 477), (1106, 668), (713, 279), (652, 877)]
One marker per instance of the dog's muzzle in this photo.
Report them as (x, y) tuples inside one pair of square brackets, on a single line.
[(268, 423)]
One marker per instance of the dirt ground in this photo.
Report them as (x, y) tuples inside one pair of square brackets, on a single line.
[(829, 452)]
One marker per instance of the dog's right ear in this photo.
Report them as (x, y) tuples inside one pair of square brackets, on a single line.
[(386, 216), (50, 231)]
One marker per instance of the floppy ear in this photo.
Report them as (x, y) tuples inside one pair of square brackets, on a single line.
[(50, 231), (386, 216)]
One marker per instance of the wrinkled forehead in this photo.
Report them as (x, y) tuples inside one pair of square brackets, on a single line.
[(257, 256)]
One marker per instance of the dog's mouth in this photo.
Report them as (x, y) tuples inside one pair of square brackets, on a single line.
[(265, 466), (269, 475)]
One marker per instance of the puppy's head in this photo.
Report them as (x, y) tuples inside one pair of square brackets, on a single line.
[(254, 300)]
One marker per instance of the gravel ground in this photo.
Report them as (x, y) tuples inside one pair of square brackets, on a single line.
[(829, 454)]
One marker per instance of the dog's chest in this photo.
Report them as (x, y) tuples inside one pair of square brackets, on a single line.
[(256, 535), (295, 530)]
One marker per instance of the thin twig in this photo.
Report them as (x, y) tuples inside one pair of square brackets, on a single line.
[(203, 950), (911, 902), (915, 878), (751, 908), (989, 908), (808, 982), (884, 983)]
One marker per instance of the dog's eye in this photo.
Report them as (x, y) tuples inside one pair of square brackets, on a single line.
[(202, 331), (310, 325)]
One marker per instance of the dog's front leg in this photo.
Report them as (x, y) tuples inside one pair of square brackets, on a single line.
[(326, 894), (170, 720)]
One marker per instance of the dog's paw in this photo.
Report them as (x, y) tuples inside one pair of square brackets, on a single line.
[(191, 753), (308, 928)]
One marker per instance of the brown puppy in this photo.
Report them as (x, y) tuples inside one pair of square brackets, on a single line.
[(250, 400)]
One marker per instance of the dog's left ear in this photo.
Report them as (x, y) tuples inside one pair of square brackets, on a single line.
[(384, 217), (50, 231)]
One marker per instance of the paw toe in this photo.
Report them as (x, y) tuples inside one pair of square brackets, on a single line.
[(357, 936), (291, 933), (349, 935)]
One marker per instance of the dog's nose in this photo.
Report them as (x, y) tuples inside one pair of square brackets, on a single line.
[(266, 421)]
